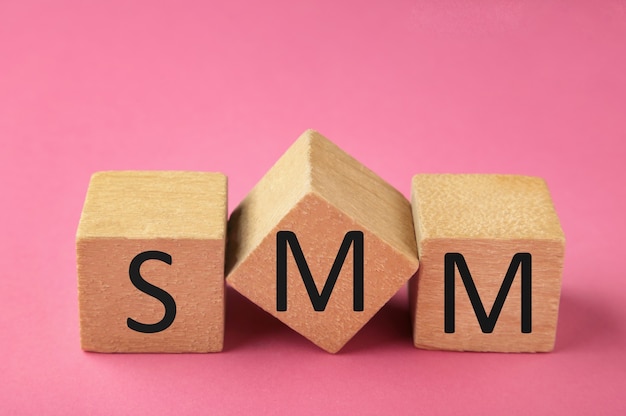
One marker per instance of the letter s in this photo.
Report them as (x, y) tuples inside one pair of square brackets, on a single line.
[(166, 299)]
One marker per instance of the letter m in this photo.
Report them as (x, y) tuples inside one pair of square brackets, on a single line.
[(487, 322), (319, 300)]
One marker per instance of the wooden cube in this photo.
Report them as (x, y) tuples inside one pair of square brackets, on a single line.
[(150, 254), (491, 255), (319, 206)]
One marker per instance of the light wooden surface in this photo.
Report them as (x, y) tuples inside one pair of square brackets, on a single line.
[(125, 213), (319, 192), (488, 219)]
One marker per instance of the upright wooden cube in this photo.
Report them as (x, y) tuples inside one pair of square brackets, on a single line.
[(150, 254), (288, 237), (491, 255)]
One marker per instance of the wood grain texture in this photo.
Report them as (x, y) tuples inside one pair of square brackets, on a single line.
[(126, 213), (488, 219), (319, 192)]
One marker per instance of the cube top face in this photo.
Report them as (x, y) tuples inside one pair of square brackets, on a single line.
[(484, 206), (154, 204), (470, 230), (313, 164), (171, 226), (321, 194), (360, 193)]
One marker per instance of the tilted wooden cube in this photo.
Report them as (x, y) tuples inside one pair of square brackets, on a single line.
[(319, 199), (491, 254), (150, 254)]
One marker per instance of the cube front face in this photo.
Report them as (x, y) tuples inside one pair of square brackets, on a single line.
[(320, 229), (107, 297), (147, 280), (490, 229), (488, 263)]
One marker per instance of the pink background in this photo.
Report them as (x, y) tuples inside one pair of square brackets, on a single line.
[(536, 88)]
